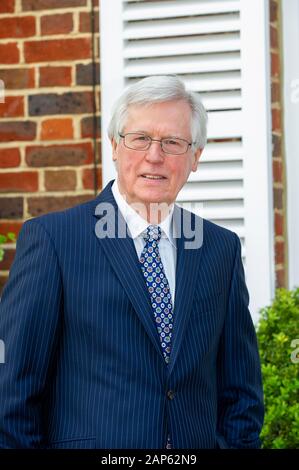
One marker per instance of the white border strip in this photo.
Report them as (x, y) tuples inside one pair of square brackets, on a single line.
[(290, 15), (258, 202)]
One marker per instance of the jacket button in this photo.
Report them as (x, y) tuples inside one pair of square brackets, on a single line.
[(170, 394)]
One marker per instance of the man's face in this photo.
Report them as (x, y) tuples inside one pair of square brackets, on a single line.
[(135, 168)]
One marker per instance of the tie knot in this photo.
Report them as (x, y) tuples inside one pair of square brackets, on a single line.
[(153, 233)]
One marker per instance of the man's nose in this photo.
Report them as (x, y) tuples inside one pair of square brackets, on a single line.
[(155, 152)]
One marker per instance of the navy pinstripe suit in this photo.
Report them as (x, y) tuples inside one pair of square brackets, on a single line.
[(84, 367)]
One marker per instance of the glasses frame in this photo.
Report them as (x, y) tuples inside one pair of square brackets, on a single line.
[(123, 136)]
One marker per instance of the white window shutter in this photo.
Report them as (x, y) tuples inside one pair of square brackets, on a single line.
[(220, 49)]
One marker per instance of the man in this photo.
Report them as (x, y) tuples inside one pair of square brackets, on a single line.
[(135, 338)]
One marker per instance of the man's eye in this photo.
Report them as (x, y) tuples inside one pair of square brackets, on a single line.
[(171, 142), (141, 138)]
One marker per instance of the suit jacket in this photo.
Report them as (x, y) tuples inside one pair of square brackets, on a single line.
[(84, 367)]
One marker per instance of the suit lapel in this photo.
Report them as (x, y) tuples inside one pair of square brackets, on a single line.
[(188, 261), (122, 255)]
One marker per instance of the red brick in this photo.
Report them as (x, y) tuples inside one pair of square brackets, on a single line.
[(8, 258), (59, 155), (273, 11), (16, 79), (56, 24), (85, 22), (85, 72), (278, 198), (42, 205), (35, 5), (98, 152), (277, 171), (9, 53), (87, 127), (279, 252), (274, 39), (13, 107), (280, 278), (62, 180), (88, 178), (279, 225), (9, 158), (276, 145), (14, 227), (275, 92), (17, 130), (11, 207), (22, 181), (57, 129), (65, 103), (276, 119), (57, 49), (7, 6), (55, 76), (17, 27), (275, 64)]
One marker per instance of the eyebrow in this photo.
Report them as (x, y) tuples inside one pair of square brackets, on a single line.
[(166, 136)]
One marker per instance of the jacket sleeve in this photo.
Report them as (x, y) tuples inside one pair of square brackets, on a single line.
[(240, 402), (29, 328)]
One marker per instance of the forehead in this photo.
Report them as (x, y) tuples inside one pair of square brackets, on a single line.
[(167, 117)]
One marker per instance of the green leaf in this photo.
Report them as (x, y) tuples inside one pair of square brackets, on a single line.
[(278, 326)]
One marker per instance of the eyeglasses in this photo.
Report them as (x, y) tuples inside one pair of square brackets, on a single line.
[(139, 141)]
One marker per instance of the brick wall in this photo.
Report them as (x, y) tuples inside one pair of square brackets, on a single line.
[(49, 153), (279, 173)]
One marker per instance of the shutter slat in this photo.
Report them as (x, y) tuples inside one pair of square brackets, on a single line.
[(182, 65), (162, 47), (225, 124), (222, 100), (182, 26), (230, 80), (214, 81), (145, 10), (211, 191), (222, 151), (225, 171), (213, 210)]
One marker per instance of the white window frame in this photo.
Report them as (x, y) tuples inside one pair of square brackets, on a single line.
[(258, 184), (256, 133), (290, 29)]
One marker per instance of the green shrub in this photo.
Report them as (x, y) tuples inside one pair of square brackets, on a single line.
[(277, 329), (3, 239)]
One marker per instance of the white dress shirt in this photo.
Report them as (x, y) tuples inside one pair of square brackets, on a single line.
[(137, 225)]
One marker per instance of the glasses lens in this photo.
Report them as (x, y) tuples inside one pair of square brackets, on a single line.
[(137, 141), (174, 146)]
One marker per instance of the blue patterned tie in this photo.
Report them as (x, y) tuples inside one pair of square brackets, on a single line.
[(158, 288)]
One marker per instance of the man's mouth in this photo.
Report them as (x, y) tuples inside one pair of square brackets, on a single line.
[(153, 177)]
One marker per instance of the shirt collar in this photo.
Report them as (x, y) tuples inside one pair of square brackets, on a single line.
[(136, 224)]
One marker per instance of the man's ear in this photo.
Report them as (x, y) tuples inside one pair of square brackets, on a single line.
[(196, 157), (114, 149)]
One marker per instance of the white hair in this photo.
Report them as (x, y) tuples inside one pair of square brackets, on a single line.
[(159, 88)]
